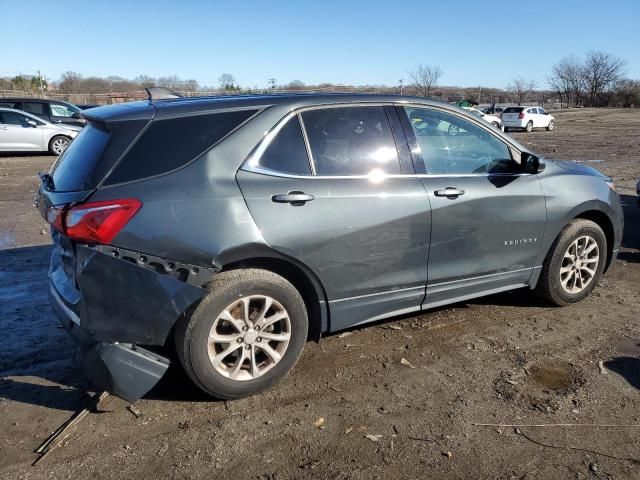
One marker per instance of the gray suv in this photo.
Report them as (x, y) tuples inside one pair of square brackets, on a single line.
[(237, 228)]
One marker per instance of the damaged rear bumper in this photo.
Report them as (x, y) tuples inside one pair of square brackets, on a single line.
[(113, 305), (125, 370)]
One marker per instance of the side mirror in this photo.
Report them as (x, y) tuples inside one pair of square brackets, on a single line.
[(531, 163), (32, 123), (76, 115)]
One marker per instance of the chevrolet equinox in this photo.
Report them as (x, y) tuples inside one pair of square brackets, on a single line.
[(237, 228)]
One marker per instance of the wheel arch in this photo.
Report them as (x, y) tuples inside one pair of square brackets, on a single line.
[(601, 219), (301, 277)]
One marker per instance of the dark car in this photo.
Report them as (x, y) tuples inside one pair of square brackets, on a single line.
[(237, 228), (53, 111)]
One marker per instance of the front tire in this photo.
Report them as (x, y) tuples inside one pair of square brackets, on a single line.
[(529, 127), (246, 334), (574, 264), (58, 144), (550, 126)]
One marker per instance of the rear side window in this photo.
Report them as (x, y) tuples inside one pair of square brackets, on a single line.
[(172, 143), (512, 110), (351, 141), (36, 108), (287, 152), (76, 163)]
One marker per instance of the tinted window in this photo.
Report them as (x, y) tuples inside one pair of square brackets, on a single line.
[(37, 108), (351, 141), (287, 152), (11, 118), (512, 110), (448, 144), (542, 111), (172, 143), (59, 110), (532, 110), (8, 104), (77, 161)]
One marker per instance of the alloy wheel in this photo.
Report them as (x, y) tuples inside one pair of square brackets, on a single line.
[(249, 337), (59, 145), (579, 264)]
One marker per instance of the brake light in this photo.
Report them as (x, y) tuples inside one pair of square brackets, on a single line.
[(521, 116), (95, 222)]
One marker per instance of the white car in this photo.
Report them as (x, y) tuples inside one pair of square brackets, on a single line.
[(23, 132), (526, 118), (493, 120)]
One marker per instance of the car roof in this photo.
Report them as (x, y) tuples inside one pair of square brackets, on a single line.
[(27, 114), (31, 99), (163, 108)]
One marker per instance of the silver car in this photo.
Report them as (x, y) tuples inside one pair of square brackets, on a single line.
[(23, 132)]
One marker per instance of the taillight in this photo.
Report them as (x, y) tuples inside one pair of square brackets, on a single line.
[(95, 222), (521, 116)]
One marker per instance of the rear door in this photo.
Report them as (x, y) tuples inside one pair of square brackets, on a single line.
[(488, 216), (18, 135), (340, 204)]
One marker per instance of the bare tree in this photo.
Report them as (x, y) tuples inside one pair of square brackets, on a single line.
[(521, 88), (227, 81), (70, 82), (425, 77), (295, 85), (601, 72)]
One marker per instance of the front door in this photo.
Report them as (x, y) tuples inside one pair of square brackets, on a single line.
[(347, 213), (488, 216)]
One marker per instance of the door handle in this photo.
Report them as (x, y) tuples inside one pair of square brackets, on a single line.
[(294, 198), (449, 192)]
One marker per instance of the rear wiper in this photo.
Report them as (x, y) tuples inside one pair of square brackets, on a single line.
[(47, 181)]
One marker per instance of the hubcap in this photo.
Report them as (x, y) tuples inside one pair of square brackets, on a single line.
[(249, 337), (579, 264), (60, 145)]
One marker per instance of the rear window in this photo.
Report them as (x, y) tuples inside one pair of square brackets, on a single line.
[(76, 163), (172, 143), (512, 110)]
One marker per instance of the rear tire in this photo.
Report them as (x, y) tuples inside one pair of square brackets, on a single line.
[(233, 317), (581, 247), (58, 144), (529, 127)]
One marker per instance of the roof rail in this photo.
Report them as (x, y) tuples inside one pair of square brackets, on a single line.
[(161, 93)]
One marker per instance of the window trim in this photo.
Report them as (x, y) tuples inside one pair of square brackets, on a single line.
[(473, 119), (252, 162)]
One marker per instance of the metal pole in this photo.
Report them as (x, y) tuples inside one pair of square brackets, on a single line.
[(41, 87)]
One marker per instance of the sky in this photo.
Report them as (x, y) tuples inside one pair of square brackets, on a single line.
[(476, 43)]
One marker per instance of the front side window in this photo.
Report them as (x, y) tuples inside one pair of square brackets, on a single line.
[(287, 152), (351, 141), (37, 108), (448, 144), (59, 110)]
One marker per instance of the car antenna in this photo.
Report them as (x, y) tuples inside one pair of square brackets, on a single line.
[(161, 93)]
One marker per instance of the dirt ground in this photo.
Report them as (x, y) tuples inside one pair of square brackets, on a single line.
[(505, 359)]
